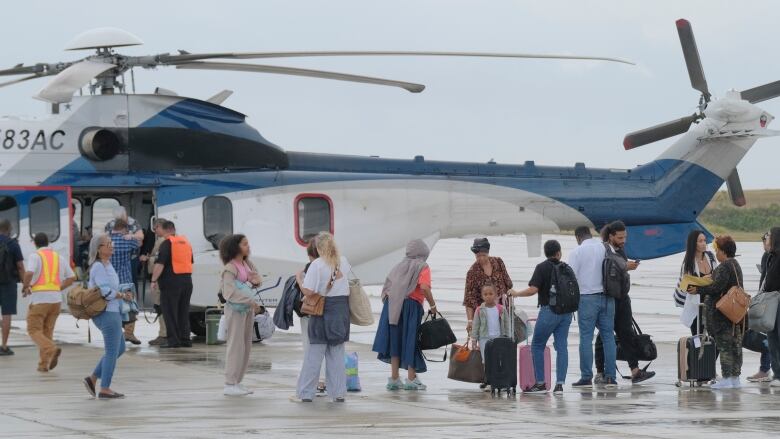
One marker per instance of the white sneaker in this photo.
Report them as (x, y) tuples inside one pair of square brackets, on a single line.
[(234, 390), (724, 383), (735, 384), (775, 383), (245, 389), (760, 377), (414, 384)]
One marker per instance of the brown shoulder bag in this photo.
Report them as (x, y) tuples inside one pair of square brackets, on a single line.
[(314, 304), (735, 303)]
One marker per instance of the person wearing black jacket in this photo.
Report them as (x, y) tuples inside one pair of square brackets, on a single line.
[(762, 375), (614, 234), (771, 279)]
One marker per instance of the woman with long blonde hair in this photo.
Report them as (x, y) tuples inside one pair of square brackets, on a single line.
[(326, 276)]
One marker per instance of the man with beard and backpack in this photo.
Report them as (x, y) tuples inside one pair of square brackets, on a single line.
[(617, 282), (558, 297)]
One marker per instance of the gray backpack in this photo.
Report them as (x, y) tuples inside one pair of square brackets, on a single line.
[(616, 279)]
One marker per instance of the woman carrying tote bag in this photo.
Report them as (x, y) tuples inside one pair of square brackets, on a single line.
[(329, 331), (407, 286)]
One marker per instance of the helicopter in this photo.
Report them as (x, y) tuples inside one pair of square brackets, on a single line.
[(200, 165)]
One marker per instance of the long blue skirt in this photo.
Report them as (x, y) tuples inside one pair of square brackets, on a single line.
[(401, 340)]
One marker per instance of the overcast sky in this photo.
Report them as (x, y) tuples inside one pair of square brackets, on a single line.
[(553, 112)]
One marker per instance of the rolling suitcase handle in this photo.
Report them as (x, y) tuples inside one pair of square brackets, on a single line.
[(528, 322)]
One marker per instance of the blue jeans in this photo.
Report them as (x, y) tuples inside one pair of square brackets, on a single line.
[(597, 311), (110, 324), (766, 364), (556, 325)]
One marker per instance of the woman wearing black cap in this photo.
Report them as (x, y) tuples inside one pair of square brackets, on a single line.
[(485, 269)]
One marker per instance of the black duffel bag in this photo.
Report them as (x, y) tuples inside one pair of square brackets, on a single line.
[(434, 332), (754, 341), (641, 346)]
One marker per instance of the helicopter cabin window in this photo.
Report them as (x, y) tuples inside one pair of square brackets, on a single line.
[(217, 219), (45, 217), (9, 210), (313, 214)]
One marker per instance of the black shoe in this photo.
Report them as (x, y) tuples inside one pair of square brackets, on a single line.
[(642, 375), (186, 344), (169, 346), (558, 389), (114, 395), (537, 388), (90, 386), (583, 383), (610, 383), (6, 351)]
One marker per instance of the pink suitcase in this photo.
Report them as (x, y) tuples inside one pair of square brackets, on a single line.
[(525, 365)]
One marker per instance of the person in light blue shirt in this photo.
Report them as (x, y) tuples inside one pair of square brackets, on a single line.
[(103, 276), (596, 310)]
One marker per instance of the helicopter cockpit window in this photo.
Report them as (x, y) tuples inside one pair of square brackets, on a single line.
[(217, 219), (45, 217), (9, 210), (313, 214)]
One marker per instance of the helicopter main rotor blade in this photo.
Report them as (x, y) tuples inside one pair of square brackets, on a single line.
[(658, 132), (16, 81), (203, 65), (692, 59), (762, 92), (61, 88), (185, 57), (23, 70)]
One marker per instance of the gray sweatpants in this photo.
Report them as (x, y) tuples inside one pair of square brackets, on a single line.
[(335, 371), (305, 340)]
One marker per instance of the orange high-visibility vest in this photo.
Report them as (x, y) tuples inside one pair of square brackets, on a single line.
[(49, 280), (181, 254)]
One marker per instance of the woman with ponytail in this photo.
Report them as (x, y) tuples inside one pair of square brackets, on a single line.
[(326, 276)]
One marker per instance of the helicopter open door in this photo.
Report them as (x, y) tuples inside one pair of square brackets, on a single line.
[(36, 209)]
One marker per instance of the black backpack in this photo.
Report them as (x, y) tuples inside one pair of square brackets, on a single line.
[(564, 291), (616, 279), (8, 271)]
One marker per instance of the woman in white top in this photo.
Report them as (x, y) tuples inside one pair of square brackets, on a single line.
[(699, 262), (326, 276)]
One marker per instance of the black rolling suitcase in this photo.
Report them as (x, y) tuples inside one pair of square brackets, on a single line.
[(501, 362), (696, 356)]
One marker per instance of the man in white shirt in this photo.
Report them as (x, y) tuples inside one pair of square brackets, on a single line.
[(596, 310), (47, 275)]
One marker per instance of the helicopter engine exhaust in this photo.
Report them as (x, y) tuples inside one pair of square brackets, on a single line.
[(100, 144)]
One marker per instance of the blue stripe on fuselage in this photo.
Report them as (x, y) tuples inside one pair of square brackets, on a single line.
[(661, 192)]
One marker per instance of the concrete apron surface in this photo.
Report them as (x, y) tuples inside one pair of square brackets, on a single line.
[(178, 393)]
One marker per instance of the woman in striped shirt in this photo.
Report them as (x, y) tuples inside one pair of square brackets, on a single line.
[(698, 262)]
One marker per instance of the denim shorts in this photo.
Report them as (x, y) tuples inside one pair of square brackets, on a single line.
[(8, 296)]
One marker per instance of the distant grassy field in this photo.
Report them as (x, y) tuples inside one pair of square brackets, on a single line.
[(743, 223)]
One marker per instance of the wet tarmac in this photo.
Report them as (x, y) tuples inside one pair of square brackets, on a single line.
[(177, 393)]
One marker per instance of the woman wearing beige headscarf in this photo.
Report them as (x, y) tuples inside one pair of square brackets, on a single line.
[(406, 287)]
